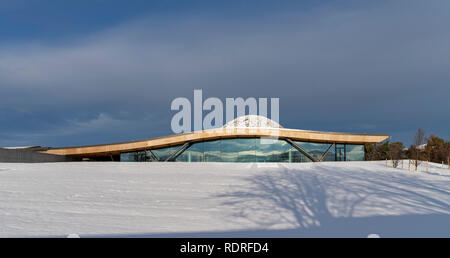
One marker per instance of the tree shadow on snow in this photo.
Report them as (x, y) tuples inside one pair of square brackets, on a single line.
[(333, 202)]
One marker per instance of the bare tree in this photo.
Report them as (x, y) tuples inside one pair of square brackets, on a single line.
[(395, 153), (419, 139)]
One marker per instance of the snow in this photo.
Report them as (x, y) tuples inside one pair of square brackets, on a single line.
[(252, 121), (328, 199), (19, 147)]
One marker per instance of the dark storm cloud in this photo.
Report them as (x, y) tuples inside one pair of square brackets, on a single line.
[(381, 68)]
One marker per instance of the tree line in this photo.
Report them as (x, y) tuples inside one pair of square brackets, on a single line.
[(431, 148)]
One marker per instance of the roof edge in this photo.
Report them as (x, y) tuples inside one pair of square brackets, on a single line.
[(220, 133)]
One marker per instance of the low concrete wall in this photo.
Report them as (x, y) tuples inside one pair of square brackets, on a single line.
[(29, 156)]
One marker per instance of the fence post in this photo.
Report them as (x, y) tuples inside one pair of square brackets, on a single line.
[(402, 163), (427, 165), (386, 162), (409, 165)]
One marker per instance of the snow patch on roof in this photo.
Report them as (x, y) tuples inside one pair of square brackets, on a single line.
[(19, 147), (252, 121)]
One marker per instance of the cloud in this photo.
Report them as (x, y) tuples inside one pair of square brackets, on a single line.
[(332, 68)]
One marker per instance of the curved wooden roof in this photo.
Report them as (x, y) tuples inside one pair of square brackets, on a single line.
[(298, 135)]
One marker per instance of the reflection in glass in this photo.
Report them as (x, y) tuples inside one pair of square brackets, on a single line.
[(137, 156), (331, 155), (315, 149), (193, 154), (127, 157), (242, 150), (354, 152), (274, 151), (163, 153), (238, 150), (249, 150), (211, 151), (340, 152)]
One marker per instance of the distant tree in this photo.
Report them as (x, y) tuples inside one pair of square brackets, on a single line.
[(415, 150), (377, 151), (419, 138), (395, 153), (447, 147), (370, 149), (436, 150)]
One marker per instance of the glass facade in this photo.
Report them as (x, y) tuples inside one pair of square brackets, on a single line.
[(250, 150), (135, 156), (340, 152), (354, 152), (242, 150), (317, 150), (163, 153), (149, 155), (331, 154), (276, 151)]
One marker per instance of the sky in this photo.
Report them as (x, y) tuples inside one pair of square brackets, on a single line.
[(102, 71)]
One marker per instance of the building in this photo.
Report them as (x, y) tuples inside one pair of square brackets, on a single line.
[(245, 139)]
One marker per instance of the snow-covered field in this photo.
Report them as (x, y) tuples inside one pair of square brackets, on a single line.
[(346, 199)]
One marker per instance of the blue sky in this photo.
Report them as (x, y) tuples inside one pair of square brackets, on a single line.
[(88, 72)]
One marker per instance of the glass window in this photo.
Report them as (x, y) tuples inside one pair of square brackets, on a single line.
[(134, 156), (273, 150), (314, 149), (340, 152), (248, 150), (211, 151), (192, 154), (354, 152), (331, 155), (297, 156), (238, 150), (127, 157), (163, 153), (242, 150)]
